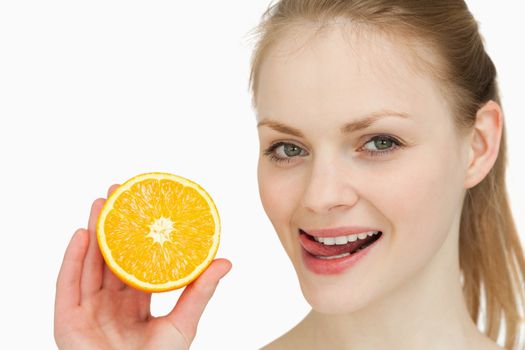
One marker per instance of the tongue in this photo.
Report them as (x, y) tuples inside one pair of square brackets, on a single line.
[(317, 248)]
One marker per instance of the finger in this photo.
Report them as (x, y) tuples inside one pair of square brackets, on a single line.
[(68, 281), (110, 281), (190, 306), (141, 302), (94, 264), (112, 189)]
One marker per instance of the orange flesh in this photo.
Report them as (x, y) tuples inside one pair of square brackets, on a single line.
[(182, 239)]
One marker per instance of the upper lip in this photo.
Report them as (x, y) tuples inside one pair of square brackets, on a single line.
[(338, 231)]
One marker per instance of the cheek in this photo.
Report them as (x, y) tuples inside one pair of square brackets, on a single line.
[(279, 190), (420, 199)]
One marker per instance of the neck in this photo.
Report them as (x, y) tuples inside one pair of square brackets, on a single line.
[(429, 312)]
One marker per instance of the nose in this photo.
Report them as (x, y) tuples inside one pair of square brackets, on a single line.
[(329, 186)]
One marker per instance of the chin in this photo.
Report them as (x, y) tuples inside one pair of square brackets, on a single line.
[(333, 297)]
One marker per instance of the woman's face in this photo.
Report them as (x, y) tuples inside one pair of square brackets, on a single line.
[(319, 168)]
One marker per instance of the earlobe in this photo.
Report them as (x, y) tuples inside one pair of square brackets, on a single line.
[(484, 143)]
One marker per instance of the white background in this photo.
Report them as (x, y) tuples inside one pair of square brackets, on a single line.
[(94, 92)]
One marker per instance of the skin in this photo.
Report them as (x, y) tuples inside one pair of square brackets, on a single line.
[(95, 310), (407, 289)]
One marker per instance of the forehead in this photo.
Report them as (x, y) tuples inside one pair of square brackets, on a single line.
[(342, 71)]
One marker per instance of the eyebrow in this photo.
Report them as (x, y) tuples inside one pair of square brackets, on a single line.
[(361, 123)]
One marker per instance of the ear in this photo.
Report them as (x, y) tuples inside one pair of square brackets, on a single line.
[(484, 143)]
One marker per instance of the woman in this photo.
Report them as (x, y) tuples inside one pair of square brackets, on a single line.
[(382, 169)]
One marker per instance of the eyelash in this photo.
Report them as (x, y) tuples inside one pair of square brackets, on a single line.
[(269, 152)]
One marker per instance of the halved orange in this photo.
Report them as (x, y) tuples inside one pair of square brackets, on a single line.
[(158, 231)]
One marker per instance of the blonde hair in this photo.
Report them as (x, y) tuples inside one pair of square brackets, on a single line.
[(491, 256)]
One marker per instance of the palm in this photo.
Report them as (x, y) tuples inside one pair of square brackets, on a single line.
[(94, 309)]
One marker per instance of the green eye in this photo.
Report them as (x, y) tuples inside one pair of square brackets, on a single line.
[(284, 152), (291, 150), (381, 145)]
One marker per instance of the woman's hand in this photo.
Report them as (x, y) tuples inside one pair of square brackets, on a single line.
[(95, 310)]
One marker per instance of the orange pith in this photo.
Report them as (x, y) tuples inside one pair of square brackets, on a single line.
[(158, 231)]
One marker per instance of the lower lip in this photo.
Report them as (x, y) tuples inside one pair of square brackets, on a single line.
[(337, 265)]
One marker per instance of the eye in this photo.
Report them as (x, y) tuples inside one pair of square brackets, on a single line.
[(284, 152), (381, 145)]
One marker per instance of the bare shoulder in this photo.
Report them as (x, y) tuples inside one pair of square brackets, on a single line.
[(284, 342), (289, 340), (280, 343), (492, 346), (295, 338), (486, 343)]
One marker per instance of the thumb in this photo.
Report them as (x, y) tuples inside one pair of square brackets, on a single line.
[(190, 306)]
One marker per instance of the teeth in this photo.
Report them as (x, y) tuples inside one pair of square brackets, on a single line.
[(339, 240), (329, 240), (333, 256)]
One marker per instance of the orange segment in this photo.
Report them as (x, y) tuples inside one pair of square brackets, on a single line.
[(158, 231)]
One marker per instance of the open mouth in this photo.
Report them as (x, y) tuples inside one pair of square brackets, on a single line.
[(337, 247)]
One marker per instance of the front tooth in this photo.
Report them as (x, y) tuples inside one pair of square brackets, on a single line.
[(362, 235), (329, 240), (351, 238), (341, 240)]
